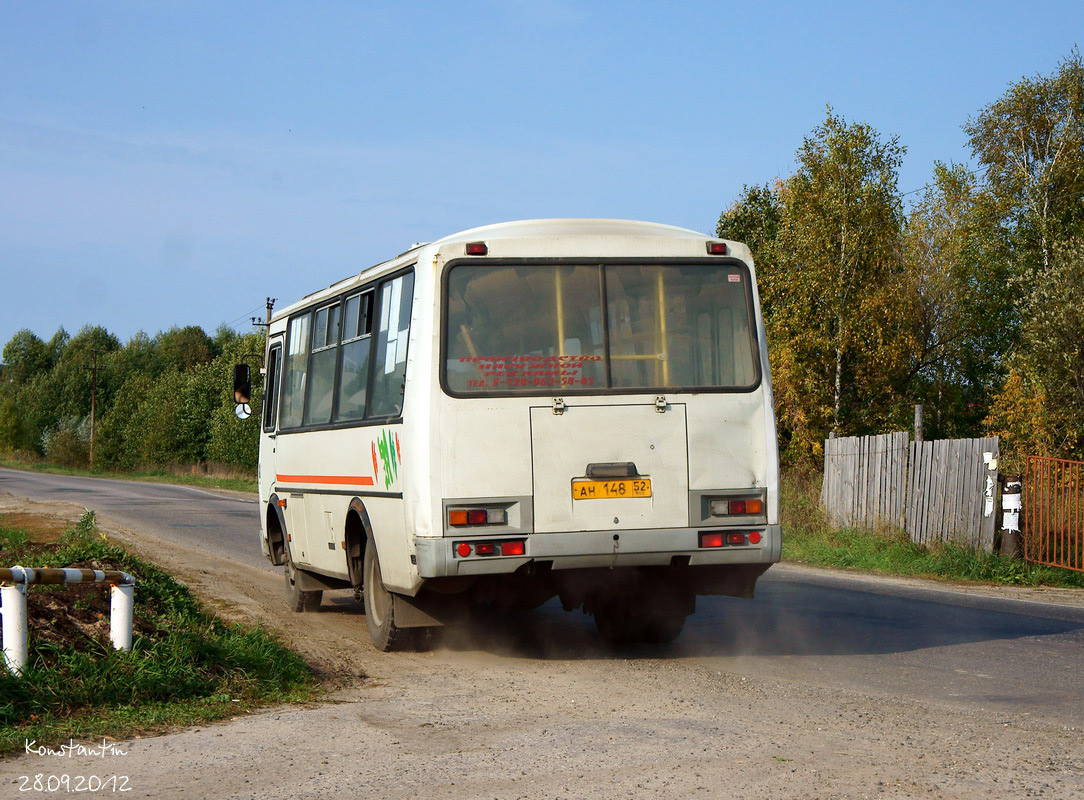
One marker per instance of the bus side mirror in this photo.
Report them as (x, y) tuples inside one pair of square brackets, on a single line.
[(242, 391), (242, 384)]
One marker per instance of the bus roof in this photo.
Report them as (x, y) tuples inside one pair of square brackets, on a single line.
[(531, 228), (554, 229)]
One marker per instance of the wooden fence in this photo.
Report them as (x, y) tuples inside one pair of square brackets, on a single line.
[(939, 491)]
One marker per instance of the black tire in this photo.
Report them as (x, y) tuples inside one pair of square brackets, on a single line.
[(380, 609), (297, 599)]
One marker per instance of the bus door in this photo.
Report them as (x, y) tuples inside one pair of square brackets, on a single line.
[(269, 416)]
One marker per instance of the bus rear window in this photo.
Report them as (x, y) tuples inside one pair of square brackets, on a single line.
[(530, 329)]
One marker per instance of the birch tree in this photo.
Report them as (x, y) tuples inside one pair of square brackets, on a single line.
[(1030, 143), (838, 293)]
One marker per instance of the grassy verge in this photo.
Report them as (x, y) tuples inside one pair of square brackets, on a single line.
[(233, 482), (186, 666), (809, 538)]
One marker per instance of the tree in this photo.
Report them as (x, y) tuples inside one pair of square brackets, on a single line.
[(964, 317), (754, 219), (1031, 144), (1052, 345), (837, 329), (182, 348), (25, 356)]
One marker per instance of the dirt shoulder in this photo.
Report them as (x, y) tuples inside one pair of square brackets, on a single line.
[(495, 713)]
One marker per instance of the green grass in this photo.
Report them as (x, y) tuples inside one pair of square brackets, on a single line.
[(809, 538), (186, 666), (239, 484), (13, 541)]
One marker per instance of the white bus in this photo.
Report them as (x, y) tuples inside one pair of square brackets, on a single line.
[(578, 409)]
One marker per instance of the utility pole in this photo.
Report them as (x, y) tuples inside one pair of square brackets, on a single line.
[(267, 322), (93, 400)]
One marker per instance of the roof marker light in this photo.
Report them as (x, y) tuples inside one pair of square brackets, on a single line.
[(477, 249), (716, 248)]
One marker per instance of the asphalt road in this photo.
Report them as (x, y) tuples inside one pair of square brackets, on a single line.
[(878, 637), (225, 523)]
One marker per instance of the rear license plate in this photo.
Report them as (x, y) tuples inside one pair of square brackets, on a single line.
[(609, 490)]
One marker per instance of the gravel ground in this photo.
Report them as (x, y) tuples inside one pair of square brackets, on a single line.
[(522, 709)]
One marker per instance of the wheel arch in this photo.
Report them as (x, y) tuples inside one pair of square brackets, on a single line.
[(275, 522), (357, 533)]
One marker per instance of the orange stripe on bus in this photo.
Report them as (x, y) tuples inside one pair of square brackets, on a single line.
[(348, 480)]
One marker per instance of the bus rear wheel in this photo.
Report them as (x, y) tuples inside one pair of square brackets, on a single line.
[(380, 609), (296, 598)]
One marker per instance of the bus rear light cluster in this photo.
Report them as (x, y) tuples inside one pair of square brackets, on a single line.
[(465, 517), (736, 508), (515, 547), (728, 539)]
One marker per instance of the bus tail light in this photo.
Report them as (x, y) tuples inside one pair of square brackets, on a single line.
[(462, 517), (477, 248), (736, 508), (513, 548), (729, 539), (716, 248), (517, 547)]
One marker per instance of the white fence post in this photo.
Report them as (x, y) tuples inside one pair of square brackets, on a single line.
[(122, 600), (16, 648), (15, 630)]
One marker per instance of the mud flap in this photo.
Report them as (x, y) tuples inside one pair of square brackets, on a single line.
[(732, 580), (429, 610), (314, 582)]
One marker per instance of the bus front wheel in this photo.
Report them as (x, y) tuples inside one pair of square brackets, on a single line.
[(380, 608)]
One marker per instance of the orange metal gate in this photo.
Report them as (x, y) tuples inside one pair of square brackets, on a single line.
[(1054, 512)]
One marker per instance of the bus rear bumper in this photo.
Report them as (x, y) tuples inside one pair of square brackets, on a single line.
[(438, 557)]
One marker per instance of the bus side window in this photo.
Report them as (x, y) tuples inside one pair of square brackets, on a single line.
[(270, 388), (325, 345), (357, 345), (295, 369), (389, 379)]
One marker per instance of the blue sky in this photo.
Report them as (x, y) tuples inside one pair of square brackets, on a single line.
[(173, 163)]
